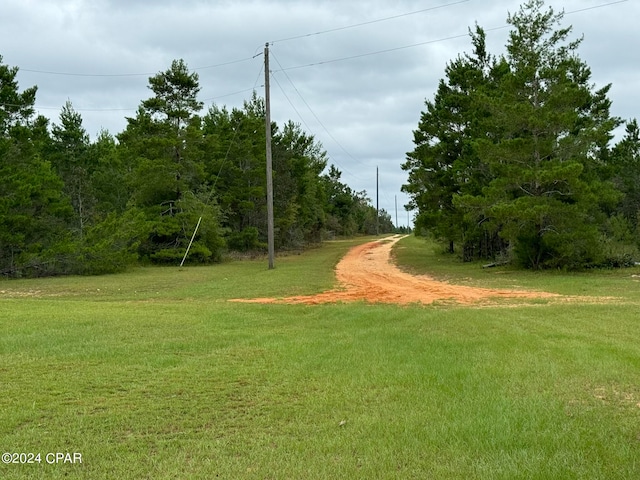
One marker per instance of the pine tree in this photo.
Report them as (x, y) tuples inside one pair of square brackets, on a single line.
[(512, 153), (34, 212), (162, 147), (625, 160), (445, 162), (69, 156), (545, 193), (235, 146)]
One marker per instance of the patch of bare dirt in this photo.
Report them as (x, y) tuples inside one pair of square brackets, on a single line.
[(367, 273)]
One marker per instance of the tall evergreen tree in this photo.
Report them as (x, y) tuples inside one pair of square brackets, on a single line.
[(69, 156), (235, 164), (162, 146), (445, 162), (524, 157), (298, 162), (626, 161), (33, 209), (545, 194), (16, 108)]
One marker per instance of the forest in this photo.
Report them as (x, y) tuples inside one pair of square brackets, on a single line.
[(517, 160), (513, 158), (70, 205)]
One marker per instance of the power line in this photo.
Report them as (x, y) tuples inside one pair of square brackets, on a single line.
[(595, 6), (81, 109), (290, 102), (429, 42), (230, 94), (141, 74), (341, 59), (315, 116), (337, 29), (378, 52), (232, 62), (306, 124)]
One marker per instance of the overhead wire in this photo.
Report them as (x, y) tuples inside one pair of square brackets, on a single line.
[(138, 74), (215, 181), (355, 25), (379, 52), (309, 129), (308, 65), (235, 134), (595, 6), (285, 69), (314, 115), (291, 103), (429, 42), (128, 109), (232, 62)]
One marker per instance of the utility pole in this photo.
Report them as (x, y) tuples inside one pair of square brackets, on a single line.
[(377, 205), (267, 106), (396, 199)]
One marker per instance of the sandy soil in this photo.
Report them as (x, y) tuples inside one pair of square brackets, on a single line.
[(367, 273)]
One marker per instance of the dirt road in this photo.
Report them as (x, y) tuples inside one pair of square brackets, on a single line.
[(367, 273)]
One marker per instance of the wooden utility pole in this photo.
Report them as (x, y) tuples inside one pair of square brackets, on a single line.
[(267, 106), (396, 199), (377, 205)]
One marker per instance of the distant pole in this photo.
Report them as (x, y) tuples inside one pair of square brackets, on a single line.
[(377, 205), (267, 121), (396, 199)]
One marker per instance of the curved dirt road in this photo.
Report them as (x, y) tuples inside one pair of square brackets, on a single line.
[(367, 273)]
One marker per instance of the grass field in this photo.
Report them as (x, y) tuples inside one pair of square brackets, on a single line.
[(154, 374)]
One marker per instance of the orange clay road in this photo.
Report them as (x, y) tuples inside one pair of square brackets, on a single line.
[(367, 273)]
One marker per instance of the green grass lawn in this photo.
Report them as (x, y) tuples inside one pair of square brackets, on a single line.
[(154, 374)]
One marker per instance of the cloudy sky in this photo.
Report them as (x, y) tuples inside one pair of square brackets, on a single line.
[(353, 73)]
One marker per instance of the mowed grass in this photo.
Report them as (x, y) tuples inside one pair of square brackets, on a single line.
[(423, 257), (154, 374)]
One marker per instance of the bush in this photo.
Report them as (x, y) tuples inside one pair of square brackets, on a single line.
[(245, 240)]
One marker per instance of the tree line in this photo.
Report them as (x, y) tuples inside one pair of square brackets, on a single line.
[(513, 159), (70, 205)]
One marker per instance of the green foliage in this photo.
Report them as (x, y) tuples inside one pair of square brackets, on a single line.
[(235, 151), (68, 153), (110, 179), (16, 108), (111, 245), (33, 209), (351, 213), (163, 145), (72, 205), (175, 100), (298, 162), (246, 240), (625, 162), (170, 231), (445, 163), (511, 156)]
